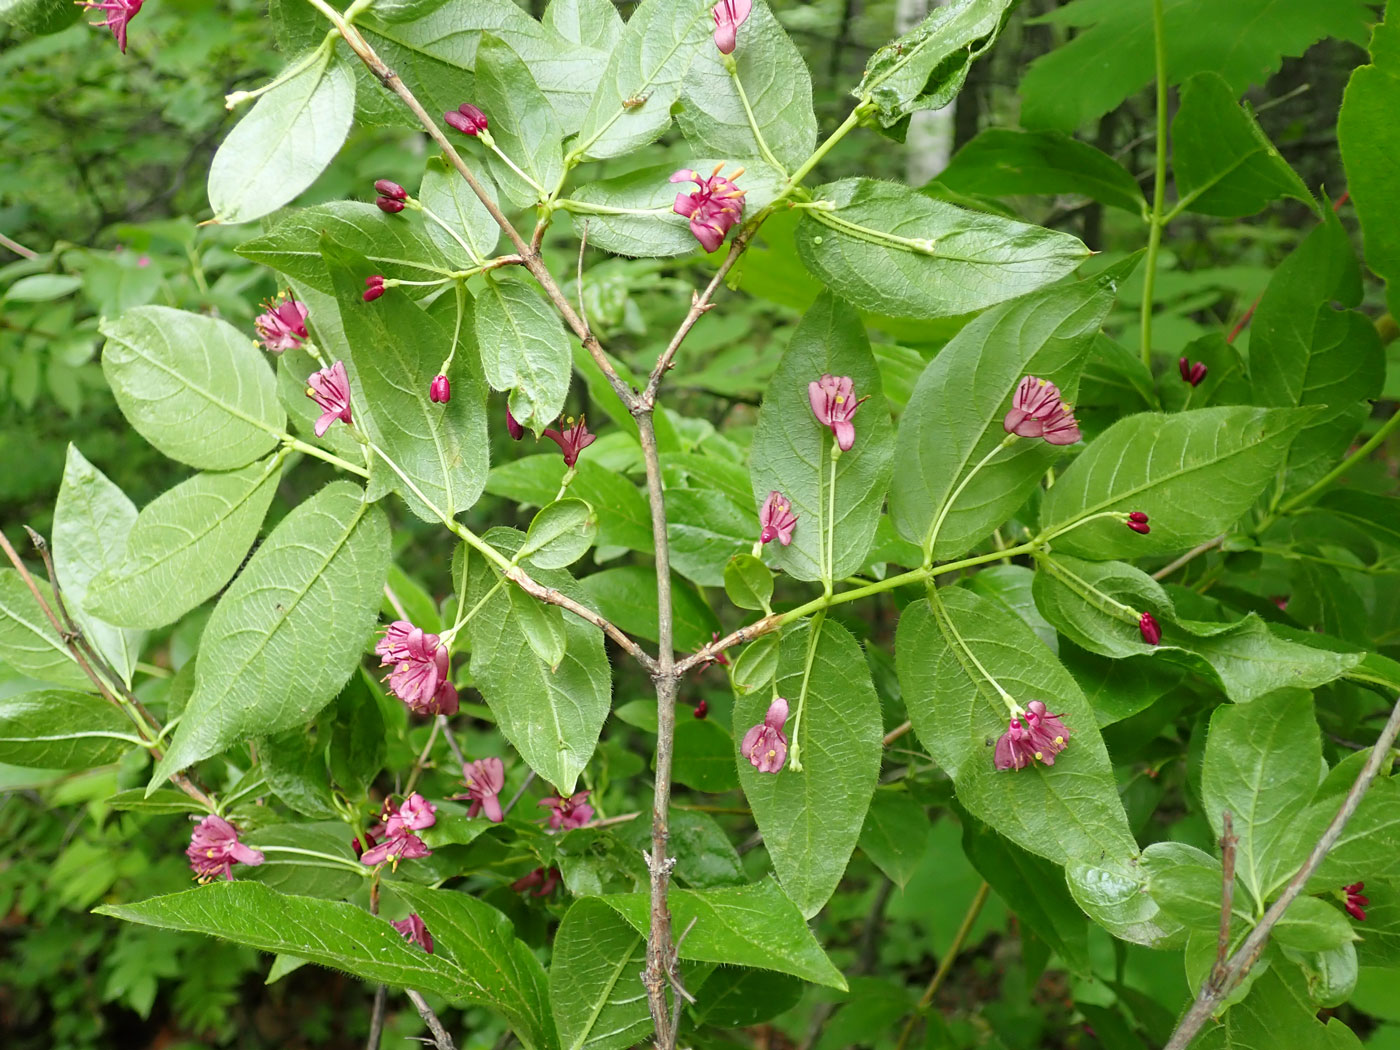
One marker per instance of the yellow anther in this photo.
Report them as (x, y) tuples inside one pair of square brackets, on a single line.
[(1040, 756)]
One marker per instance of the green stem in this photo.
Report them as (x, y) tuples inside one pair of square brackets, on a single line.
[(317, 54), (1045, 538), (448, 636), (733, 67), (828, 578), (1107, 604), (1011, 705), (298, 445), (339, 862), (589, 208), (472, 253), (490, 142), (795, 179), (948, 504), (822, 212), (1386, 429), (1159, 186), (795, 752)]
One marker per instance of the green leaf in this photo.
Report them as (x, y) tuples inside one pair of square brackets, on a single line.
[(891, 250), (627, 596), (1252, 659), (1070, 810), (792, 452), (297, 873), (755, 665), (705, 529), (294, 766), (1368, 136), (1110, 55), (594, 991), (185, 545), (28, 642), (398, 247), (1187, 882), (287, 139), (522, 122), (446, 194), (705, 756), (289, 631), (542, 625), (926, 67), (704, 855), (753, 925), (1313, 925), (1369, 846), (894, 834), (91, 522), (941, 438), (1262, 762), (195, 387), (1005, 162), (166, 800), (333, 933), (396, 350), (624, 519), (560, 534), (56, 729), (656, 48), (748, 582), (1224, 163), (523, 350), (811, 819), (357, 742), (778, 87), (592, 23), (1193, 473)]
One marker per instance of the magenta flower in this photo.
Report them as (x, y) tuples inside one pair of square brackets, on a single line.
[(119, 14), (729, 16), (214, 849), (568, 813), (399, 841), (416, 813), (421, 669), (547, 881), (777, 519), (765, 745), (1151, 632), (513, 427), (1014, 749), (1040, 739), (572, 440), (1137, 521), (1356, 903), (467, 119), (834, 404), (440, 390), (282, 326), (1037, 411), (702, 709), (1190, 373), (330, 389), (414, 932), (712, 209), (484, 778), (391, 196)]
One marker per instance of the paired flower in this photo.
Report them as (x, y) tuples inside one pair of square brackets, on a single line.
[(119, 14), (1151, 631), (1137, 521), (702, 709), (400, 842), (1041, 738), (571, 440), (1038, 411), (420, 674), (513, 427), (214, 849), (467, 119), (777, 519), (282, 326), (374, 287), (547, 881), (729, 16), (330, 389), (484, 779), (568, 813), (440, 390), (1190, 373), (765, 745), (391, 196), (414, 932), (715, 207), (1355, 902)]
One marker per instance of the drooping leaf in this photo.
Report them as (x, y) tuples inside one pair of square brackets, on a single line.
[(560, 534), (286, 635), (954, 416), (811, 819), (57, 729), (523, 350), (792, 452), (522, 122), (891, 250), (185, 545), (446, 194), (1193, 473), (748, 582), (286, 140), (194, 387), (28, 641), (594, 991)]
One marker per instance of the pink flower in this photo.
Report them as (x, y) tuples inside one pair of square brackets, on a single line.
[(403, 846), (467, 119), (1041, 738), (572, 440), (513, 427), (712, 209), (834, 404), (440, 390), (374, 287), (1190, 373), (1151, 632), (400, 842), (330, 389), (568, 813), (416, 813), (421, 669), (214, 849), (547, 881), (1137, 521), (282, 326), (1037, 411), (1355, 902), (1014, 749), (484, 778), (729, 16), (119, 14), (414, 932), (777, 519), (765, 745)]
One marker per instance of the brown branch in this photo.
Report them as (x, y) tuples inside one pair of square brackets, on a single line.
[(1223, 979), (1189, 556), (1228, 841), (441, 1039), (747, 633), (376, 1017), (526, 583)]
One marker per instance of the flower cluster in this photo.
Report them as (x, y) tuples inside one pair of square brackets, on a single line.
[(568, 813), (419, 674), (712, 209), (1039, 739), (282, 325), (766, 745), (484, 780), (214, 849), (834, 403), (1038, 411), (1356, 902), (330, 389), (395, 837), (467, 119)]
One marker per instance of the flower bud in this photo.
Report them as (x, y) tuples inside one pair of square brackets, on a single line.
[(513, 428), (389, 205), (440, 390), (1137, 521), (374, 287), (1151, 632), (467, 119), (702, 709), (386, 188)]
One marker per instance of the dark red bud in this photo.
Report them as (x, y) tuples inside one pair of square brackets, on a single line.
[(1198, 372), (386, 188), (467, 119), (515, 430), (1140, 526), (702, 709), (389, 205), (374, 287), (355, 845), (1138, 516), (1151, 633), (1184, 367), (440, 390)]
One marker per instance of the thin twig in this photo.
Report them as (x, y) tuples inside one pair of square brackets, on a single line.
[(529, 778), (747, 633), (442, 1040), (523, 580), (422, 761), (582, 247), (17, 248), (945, 964), (376, 1017), (1191, 555), (1228, 841), (1224, 979), (897, 732), (451, 740)]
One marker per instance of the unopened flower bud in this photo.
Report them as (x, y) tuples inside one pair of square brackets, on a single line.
[(388, 205), (440, 390), (1190, 373), (467, 119), (386, 188), (513, 428), (374, 287), (1151, 632), (702, 709), (1137, 521)]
